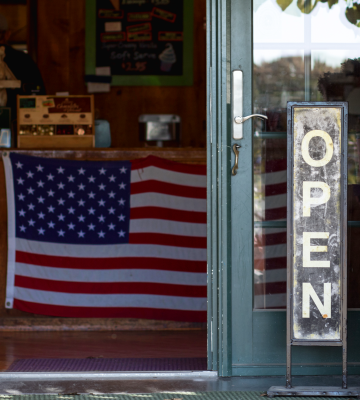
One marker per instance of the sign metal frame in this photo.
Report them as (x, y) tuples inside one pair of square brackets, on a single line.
[(289, 390)]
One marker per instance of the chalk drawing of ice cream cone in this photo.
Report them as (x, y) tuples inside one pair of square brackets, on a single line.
[(167, 58)]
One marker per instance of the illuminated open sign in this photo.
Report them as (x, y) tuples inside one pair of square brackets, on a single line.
[(317, 179)]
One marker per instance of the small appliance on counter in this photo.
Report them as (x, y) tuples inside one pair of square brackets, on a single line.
[(160, 128)]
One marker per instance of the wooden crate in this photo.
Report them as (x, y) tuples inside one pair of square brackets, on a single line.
[(55, 110)]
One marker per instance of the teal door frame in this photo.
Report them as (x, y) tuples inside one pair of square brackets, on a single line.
[(219, 192), (241, 341)]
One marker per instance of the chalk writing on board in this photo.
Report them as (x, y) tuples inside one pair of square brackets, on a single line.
[(147, 38)]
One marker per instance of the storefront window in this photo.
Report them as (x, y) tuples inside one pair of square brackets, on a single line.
[(306, 51)]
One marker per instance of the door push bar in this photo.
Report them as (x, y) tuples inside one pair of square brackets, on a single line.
[(237, 110)]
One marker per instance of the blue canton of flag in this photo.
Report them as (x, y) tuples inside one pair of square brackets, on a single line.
[(73, 202)]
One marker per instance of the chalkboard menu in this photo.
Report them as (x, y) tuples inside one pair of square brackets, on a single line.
[(142, 41)]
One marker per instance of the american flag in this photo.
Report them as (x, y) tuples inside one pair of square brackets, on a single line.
[(106, 239), (270, 243)]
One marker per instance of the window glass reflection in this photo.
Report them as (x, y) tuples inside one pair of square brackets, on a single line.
[(303, 51)]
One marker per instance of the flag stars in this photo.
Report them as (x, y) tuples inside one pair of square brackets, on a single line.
[(21, 197), (102, 171), (22, 213), (19, 165), (51, 209), (81, 203), (71, 210), (31, 222), (41, 231), (91, 211), (51, 193), (60, 170), (112, 195), (22, 228), (61, 185), (71, 178), (41, 215), (61, 217), (61, 202), (81, 218), (71, 226), (121, 234), (61, 233), (50, 177), (71, 195), (41, 200), (31, 207), (121, 218), (112, 178), (30, 174), (40, 168), (101, 234), (91, 227), (40, 184), (81, 171), (102, 187), (123, 170), (81, 234), (101, 203), (121, 202), (30, 190), (91, 195), (81, 186), (20, 181), (122, 186), (51, 225), (111, 210), (101, 218), (91, 179), (111, 227)]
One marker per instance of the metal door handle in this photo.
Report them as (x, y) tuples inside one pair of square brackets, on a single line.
[(240, 120), (235, 148), (237, 100)]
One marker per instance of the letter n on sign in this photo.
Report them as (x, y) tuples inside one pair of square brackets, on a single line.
[(317, 223)]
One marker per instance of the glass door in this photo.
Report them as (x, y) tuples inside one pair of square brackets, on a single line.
[(288, 50)]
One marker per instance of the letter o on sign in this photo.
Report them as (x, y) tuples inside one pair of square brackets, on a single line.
[(305, 148)]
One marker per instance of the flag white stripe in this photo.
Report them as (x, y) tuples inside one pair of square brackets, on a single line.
[(270, 300), (111, 300), (167, 201), (274, 251), (111, 250), (167, 227), (276, 201), (163, 175), (111, 275), (272, 178), (270, 276)]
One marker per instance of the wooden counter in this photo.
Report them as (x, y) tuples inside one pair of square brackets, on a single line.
[(183, 155)]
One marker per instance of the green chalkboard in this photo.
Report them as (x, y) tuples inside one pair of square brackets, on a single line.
[(144, 42)]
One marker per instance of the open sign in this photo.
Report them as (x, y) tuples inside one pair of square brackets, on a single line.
[(317, 179)]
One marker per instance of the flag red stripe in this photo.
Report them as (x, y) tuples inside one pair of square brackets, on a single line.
[(168, 214), (270, 263), (160, 289), (269, 288), (278, 188), (168, 240), (274, 238), (275, 213), (174, 166), (111, 263), (92, 312), (153, 186), (276, 165)]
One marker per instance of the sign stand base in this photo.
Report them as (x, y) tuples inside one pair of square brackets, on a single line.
[(313, 391)]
